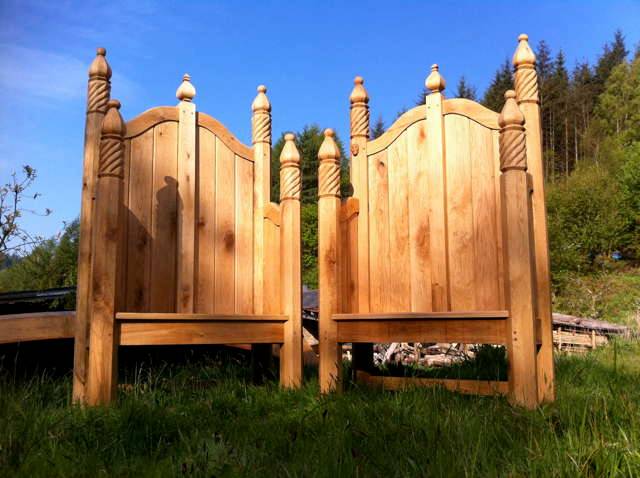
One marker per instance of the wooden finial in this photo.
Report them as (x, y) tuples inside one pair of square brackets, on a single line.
[(526, 78), (290, 179), (359, 109), (513, 153), (99, 85), (524, 54), (359, 93), (261, 121), (111, 144), (435, 82), (186, 91), (329, 170), (99, 66)]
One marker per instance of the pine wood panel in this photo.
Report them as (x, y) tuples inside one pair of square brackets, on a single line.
[(459, 213), (206, 221), (379, 272), (139, 222), (164, 218), (244, 236), (224, 290), (272, 258)]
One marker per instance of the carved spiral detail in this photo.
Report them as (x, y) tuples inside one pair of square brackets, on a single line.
[(98, 97), (513, 151), (526, 83), (360, 120), (329, 178), (261, 128), (111, 157), (290, 182)]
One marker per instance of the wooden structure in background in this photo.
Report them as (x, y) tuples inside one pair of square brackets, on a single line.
[(444, 239), (179, 241)]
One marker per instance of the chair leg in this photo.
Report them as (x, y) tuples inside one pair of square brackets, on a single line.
[(291, 357), (102, 372), (330, 366)]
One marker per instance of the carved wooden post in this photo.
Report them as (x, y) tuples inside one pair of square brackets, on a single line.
[(436, 191), (97, 99), (101, 376), (359, 99), (187, 215), (261, 138), (328, 253), (526, 83), (519, 255), (290, 253)]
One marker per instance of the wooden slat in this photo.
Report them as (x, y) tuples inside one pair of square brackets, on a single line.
[(163, 221), (206, 220), (153, 316), (379, 267), (459, 214), (192, 333), (36, 326), (399, 284), (473, 111), (475, 387), (396, 129), (498, 214), (485, 234), (149, 119), (466, 315), (272, 259), (187, 170), (485, 331), (224, 294), (139, 222), (420, 269), (244, 236)]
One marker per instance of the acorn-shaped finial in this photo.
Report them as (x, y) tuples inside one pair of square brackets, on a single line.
[(329, 149), (435, 82), (511, 114), (99, 66), (186, 91), (113, 124), (261, 102), (359, 93), (289, 152), (524, 54)]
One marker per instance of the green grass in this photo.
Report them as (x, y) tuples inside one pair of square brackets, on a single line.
[(205, 419)]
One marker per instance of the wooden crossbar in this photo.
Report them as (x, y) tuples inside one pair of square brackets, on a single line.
[(36, 326), (477, 387), (175, 317), (466, 315)]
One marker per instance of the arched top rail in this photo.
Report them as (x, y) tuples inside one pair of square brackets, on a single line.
[(149, 119), (402, 123), (221, 131), (161, 114), (472, 110)]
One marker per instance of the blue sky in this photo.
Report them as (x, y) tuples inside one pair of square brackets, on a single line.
[(307, 53)]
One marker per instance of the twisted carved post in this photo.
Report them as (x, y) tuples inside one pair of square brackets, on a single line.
[(261, 354), (526, 83), (518, 255), (290, 253), (328, 254), (102, 369), (436, 189), (359, 99), (99, 88)]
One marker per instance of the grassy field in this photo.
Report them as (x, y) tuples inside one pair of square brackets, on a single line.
[(205, 419)]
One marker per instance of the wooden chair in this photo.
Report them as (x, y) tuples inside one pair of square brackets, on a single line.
[(444, 239), (186, 245)]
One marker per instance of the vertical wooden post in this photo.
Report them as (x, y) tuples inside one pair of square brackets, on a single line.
[(187, 211), (526, 83), (328, 253), (359, 99), (519, 255), (261, 355), (102, 370), (437, 191), (97, 98), (290, 253)]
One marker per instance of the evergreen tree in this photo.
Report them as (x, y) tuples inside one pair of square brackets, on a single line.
[(378, 128), (465, 90), (502, 81), (613, 54), (420, 100)]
